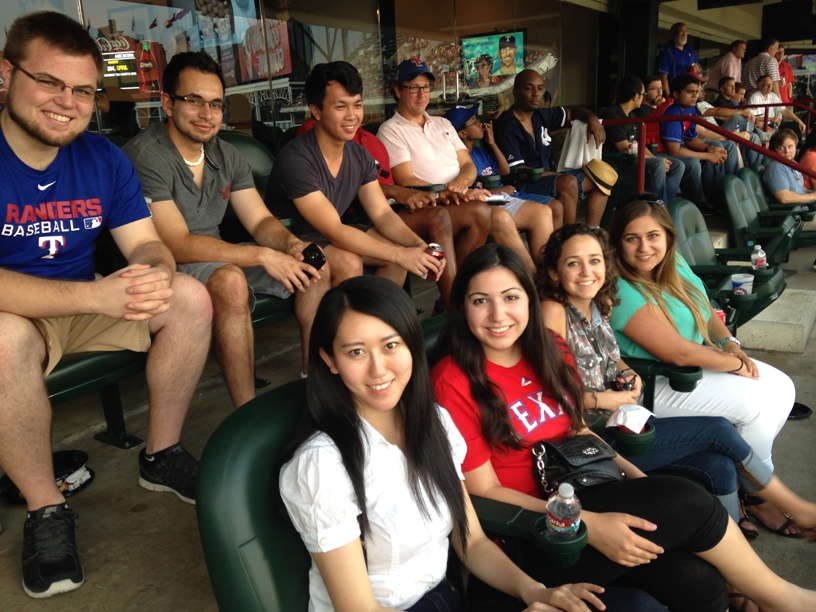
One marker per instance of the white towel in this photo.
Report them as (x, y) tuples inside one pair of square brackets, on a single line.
[(577, 151)]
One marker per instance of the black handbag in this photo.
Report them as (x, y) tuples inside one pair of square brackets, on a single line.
[(582, 461)]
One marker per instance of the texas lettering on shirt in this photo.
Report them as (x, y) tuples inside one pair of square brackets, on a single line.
[(531, 411)]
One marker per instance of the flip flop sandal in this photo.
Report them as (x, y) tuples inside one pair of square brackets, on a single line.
[(799, 411)]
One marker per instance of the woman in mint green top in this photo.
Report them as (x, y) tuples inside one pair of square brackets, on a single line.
[(631, 300), (664, 314)]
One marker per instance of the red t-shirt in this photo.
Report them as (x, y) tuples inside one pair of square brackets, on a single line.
[(786, 73), (534, 414)]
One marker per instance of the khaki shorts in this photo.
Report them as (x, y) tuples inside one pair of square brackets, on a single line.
[(91, 332)]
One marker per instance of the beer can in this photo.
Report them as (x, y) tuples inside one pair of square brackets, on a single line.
[(434, 250), (721, 313)]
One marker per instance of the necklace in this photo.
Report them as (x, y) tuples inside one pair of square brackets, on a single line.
[(197, 162)]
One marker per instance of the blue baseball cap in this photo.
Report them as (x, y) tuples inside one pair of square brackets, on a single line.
[(413, 67), (460, 115)]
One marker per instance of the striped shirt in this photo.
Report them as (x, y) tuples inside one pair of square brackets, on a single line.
[(759, 66)]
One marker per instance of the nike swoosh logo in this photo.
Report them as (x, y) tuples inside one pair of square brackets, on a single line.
[(44, 187)]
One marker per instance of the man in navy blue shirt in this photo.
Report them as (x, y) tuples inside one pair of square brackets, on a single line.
[(676, 58), (523, 135)]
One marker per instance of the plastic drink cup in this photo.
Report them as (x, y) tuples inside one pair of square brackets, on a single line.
[(742, 284)]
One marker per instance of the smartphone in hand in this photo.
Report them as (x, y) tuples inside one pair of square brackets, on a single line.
[(313, 256)]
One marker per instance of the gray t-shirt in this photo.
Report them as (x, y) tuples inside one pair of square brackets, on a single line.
[(300, 169), (165, 176), (779, 177)]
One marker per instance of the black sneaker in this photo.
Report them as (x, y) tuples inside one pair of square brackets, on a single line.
[(173, 469), (50, 559)]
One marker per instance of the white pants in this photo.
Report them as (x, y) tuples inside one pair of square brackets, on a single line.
[(758, 408)]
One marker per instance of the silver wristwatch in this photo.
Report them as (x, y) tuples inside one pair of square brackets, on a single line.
[(722, 342)]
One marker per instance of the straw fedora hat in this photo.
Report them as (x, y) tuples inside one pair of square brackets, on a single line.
[(602, 174)]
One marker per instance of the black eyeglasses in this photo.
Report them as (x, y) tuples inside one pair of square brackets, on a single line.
[(55, 86), (415, 89), (219, 106)]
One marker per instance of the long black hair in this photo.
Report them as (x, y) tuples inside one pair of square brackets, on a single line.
[(537, 347), (331, 405)]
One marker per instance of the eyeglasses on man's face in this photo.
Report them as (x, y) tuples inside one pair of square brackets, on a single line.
[(415, 89), (218, 106), (55, 86)]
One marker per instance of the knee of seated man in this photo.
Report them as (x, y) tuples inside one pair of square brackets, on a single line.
[(228, 285), (21, 341), (566, 185), (190, 300), (439, 221), (344, 264), (502, 219)]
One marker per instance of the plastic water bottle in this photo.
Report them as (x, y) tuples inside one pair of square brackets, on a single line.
[(563, 513), (759, 261), (633, 146)]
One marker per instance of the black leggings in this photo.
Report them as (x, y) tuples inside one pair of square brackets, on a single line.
[(688, 520)]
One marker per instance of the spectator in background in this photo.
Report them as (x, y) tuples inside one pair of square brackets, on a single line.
[(786, 78), (738, 121), (652, 96), (764, 64), (729, 65), (740, 89), (523, 135), (808, 159), (727, 87), (663, 176), (676, 58), (786, 184), (426, 150), (536, 219), (681, 140), (776, 114)]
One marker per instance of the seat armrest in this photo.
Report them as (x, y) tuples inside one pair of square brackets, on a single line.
[(681, 378), (718, 270)]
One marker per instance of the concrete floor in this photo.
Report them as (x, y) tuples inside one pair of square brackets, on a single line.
[(140, 550)]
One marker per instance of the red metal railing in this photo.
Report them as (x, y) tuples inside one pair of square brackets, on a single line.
[(642, 121)]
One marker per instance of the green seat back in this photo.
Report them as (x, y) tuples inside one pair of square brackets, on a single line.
[(743, 211), (258, 157), (753, 181), (255, 558), (693, 239)]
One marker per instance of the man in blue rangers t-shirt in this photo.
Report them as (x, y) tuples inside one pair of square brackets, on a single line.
[(60, 186)]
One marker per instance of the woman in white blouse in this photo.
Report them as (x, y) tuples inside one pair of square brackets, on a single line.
[(374, 484)]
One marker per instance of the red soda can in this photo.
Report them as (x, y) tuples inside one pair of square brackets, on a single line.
[(721, 313), (435, 250)]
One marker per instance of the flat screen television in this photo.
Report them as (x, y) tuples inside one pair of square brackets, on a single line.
[(488, 59)]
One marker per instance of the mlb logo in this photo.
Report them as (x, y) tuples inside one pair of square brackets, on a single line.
[(93, 223)]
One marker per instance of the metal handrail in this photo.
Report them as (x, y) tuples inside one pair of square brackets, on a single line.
[(642, 121)]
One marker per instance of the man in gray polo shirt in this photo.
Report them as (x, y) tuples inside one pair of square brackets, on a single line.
[(189, 176)]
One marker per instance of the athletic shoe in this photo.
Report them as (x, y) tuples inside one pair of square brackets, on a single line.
[(173, 470), (50, 559)]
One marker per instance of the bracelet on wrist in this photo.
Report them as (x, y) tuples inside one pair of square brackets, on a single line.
[(595, 397), (742, 363)]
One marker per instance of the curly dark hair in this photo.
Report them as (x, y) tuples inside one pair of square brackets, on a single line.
[(551, 289)]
